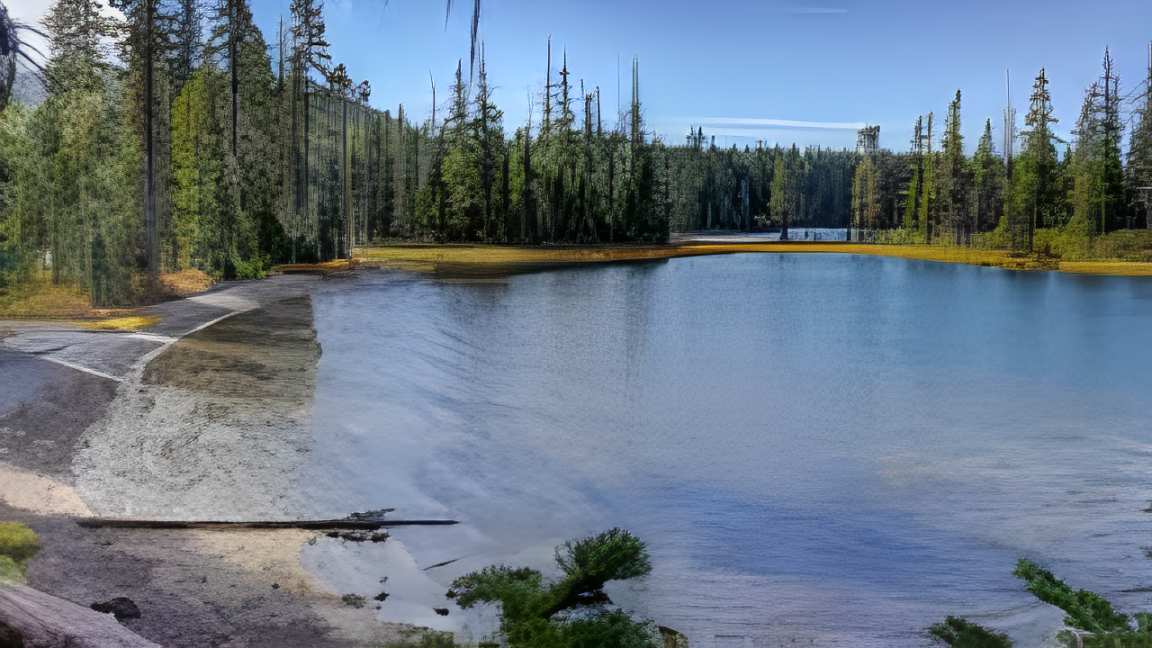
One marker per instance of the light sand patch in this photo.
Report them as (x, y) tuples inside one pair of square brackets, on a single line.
[(271, 554), (25, 490)]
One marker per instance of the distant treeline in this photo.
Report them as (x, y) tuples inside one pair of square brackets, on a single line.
[(174, 140)]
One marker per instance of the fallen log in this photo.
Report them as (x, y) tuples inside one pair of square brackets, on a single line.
[(33, 619), (309, 525), (369, 521)]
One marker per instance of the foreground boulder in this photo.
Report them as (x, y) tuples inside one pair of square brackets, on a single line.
[(30, 618)]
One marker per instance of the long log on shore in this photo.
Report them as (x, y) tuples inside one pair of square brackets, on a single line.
[(369, 521), (310, 525)]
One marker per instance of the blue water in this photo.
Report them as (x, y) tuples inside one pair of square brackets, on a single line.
[(819, 450)]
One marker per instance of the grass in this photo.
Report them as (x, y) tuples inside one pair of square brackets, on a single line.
[(40, 299), (452, 260), (18, 544)]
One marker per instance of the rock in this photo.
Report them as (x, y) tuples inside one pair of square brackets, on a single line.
[(441, 611), (672, 639), (44, 621), (359, 536), (122, 607), (381, 596), (10, 637)]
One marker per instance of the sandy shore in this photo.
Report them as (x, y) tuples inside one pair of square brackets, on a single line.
[(204, 415)]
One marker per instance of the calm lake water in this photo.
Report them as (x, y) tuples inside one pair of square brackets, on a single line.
[(818, 449)]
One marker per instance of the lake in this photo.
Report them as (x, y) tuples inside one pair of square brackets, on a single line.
[(823, 450)]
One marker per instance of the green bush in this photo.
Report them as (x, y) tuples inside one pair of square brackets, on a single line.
[(18, 542), (960, 633), (1124, 245), (9, 570), (1064, 243), (1086, 610), (254, 268), (574, 611)]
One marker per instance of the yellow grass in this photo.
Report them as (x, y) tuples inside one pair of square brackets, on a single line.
[(1119, 268), (132, 323), (43, 300), (473, 260)]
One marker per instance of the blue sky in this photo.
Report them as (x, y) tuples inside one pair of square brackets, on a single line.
[(742, 67)]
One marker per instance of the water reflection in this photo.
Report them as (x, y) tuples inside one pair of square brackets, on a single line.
[(830, 449)]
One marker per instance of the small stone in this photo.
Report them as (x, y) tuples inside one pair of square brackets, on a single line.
[(381, 596), (121, 607), (275, 585), (441, 611)]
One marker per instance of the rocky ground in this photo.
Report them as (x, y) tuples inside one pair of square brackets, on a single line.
[(206, 415)]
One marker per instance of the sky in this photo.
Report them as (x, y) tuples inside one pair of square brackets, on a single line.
[(782, 71)]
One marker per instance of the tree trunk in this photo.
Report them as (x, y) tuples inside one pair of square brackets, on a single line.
[(347, 164), (151, 240)]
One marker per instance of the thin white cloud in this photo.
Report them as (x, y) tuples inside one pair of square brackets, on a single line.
[(816, 10), (728, 122)]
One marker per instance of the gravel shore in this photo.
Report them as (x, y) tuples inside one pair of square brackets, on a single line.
[(206, 415)]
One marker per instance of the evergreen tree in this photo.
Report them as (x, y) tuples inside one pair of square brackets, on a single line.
[(989, 178), (1138, 173), (149, 41), (1036, 184)]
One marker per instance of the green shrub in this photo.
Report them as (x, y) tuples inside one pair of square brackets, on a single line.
[(9, 570), (1086, 610), (1065, 243), (18, 542), (572, 612), (960, 633), (254, 268), (1124, 245)]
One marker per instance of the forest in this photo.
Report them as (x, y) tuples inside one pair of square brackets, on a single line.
[(181, 137)]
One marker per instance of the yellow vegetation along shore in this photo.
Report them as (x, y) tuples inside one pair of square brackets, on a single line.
[(40, 299), (495, 260)]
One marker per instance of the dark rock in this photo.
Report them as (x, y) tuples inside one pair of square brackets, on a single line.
[(359, 536), (122, 607), (275, 585), (441, 611), (10, 637), (354, 600), (381, 596)]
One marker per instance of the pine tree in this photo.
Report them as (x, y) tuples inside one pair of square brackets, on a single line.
[(953, 178), (989, 179), (1139, 170), (149, 41), (1036, 183)]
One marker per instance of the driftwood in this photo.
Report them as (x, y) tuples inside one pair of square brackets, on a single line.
[(33, 619), (369, 521)]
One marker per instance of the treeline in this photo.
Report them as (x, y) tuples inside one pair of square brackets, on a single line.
[(569, 179), (935, 192), (179, 139), (174, 140)]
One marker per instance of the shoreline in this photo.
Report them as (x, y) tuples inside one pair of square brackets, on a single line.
[(205, 414), (460, 260)]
